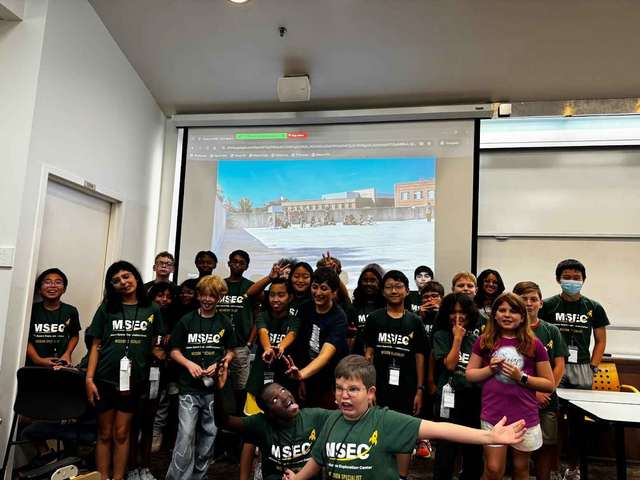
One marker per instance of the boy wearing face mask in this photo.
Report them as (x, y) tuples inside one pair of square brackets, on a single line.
[(576, 316)]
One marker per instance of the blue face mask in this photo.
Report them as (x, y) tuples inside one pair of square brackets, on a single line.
[(571, 287)]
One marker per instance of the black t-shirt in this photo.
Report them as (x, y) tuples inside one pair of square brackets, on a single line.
[(330, 327), (395, 341)]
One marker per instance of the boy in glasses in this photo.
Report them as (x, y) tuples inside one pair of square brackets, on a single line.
[(362, 442), (395, 342), (163, 266), (236, 305)]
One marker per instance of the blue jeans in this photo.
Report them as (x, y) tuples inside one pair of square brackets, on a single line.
[(194, 446)]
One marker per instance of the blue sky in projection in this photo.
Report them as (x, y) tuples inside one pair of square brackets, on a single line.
[(309, 180)]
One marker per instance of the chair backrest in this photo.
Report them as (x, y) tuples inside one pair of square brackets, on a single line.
[(48, 394), (607, 378)]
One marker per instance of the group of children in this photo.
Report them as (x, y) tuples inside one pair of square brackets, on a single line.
[(343, 383)]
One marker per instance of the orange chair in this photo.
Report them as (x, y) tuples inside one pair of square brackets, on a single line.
[(607, 379)]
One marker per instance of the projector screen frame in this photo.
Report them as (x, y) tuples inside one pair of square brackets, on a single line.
[(417, 114)]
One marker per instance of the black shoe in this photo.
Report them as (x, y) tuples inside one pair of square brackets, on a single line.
[(39, 460)]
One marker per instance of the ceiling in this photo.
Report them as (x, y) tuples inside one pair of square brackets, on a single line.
[(212, 56)]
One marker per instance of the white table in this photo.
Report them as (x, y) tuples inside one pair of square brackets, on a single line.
[(572, 395), (618, 409)]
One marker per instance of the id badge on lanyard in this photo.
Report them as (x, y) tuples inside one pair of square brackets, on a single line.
[(154, 380), (269, 377), (573, 354), (125, 376)]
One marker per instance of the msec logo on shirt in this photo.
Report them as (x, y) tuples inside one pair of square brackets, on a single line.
[(346, 452), (51, 327), (129, 325)]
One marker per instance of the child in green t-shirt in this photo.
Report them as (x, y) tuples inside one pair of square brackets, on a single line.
[(362, 442), (200, 340), (421, 276), (367, 298), (546, 459), (452, 345)]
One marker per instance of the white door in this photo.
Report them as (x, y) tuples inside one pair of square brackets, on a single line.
[(74, 238)]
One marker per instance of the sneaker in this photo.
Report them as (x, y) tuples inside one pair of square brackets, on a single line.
[(40, 460), (424, 448), (555, 476), (572, 474), (133, 475), (156, 444), (145, 474)]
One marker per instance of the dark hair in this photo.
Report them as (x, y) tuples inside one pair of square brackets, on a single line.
[(467, 306), (480, 296), (48, 271), (375, 266), (295, 266), (570, 264), (359, 297), (261, 401), (191, 284), (88, 340), (240, 253), (112, 298), (422, 269), (328, 276), (396, 275), (204, 253), (282, 281), (159, 287), (432, 286), (357, 367)]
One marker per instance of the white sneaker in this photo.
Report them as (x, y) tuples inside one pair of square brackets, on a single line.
[(145, 474), (572, 474), (133, 475)]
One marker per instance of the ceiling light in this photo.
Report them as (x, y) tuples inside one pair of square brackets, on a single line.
[(238, 1)]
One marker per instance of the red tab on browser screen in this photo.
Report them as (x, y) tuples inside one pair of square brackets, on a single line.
[(297, 135)]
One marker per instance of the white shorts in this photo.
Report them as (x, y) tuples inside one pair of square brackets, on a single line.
[(532, 438)]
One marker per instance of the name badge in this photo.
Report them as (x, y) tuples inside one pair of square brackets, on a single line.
[(208, 381), (269, 377), (394, 376), (444, 411), (448, 396), (573, 354), (124, 384), (154, 381)]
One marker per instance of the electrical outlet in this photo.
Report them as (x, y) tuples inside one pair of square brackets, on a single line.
[(6, 257)]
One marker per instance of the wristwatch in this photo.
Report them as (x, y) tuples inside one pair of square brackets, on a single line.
[(594, 368), (524, 379), (421, 388)]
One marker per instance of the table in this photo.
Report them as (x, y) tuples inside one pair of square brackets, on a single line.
[(617, 409)]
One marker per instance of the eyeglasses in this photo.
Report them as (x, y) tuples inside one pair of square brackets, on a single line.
[(397, 288), (351, 391), (49, 283), (490, 282), (369, 281), (164, 264), (124, 277), (241, 263), (433, 296)]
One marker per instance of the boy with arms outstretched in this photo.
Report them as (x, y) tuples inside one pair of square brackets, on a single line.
[(363, 441)]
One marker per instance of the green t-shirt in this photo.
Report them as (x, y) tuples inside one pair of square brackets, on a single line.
[(553, 342), (575, 320), (203, 340), (294, 305), (239, 308), (365, 449), (413, 302), (278, 328), (285, 447), (395, 342), (442, 343), (50, 330), (131, 325), (357, 317)]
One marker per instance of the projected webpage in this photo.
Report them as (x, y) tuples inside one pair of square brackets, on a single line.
[(366, 193)]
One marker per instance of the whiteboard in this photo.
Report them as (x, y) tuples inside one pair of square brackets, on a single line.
[(567, 192), (548, 205)]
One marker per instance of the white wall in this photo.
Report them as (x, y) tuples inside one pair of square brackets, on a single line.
[(93, 118)]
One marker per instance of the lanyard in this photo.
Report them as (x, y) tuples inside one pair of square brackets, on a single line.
[(46, 316), (341, 444), (572, 327), (282, 445), (128, 337), (203, 344)]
